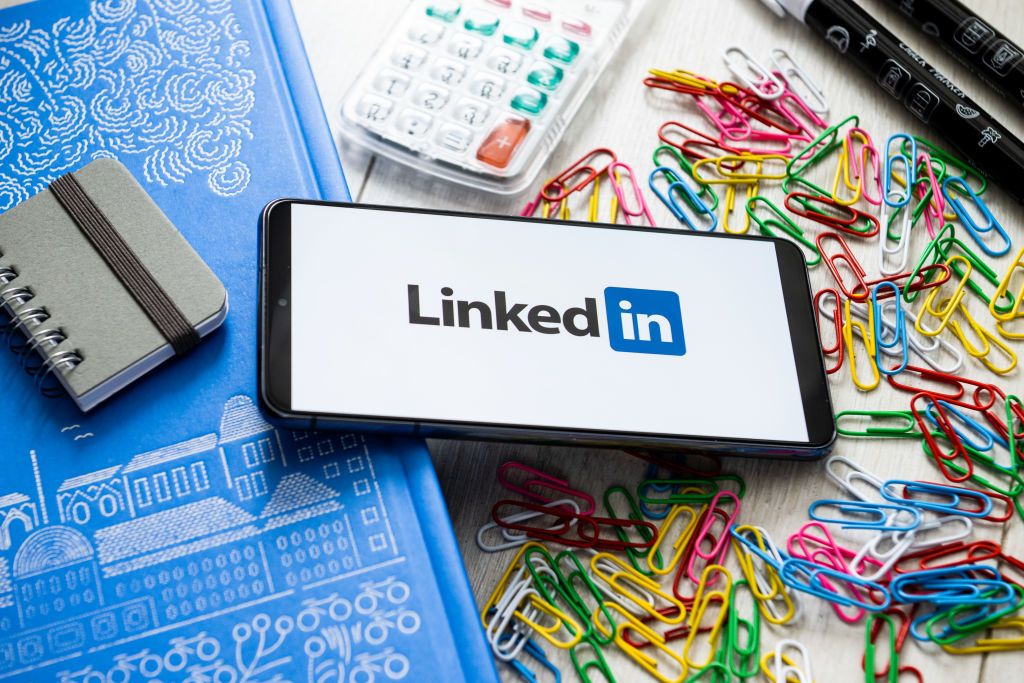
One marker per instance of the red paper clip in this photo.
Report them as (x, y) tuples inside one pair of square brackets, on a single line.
[(862, 290), (945, 426), (848, 216), (837, 348), (541, 480), (578, 175)]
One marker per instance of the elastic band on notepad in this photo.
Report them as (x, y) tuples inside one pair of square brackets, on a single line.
[(125, 264)]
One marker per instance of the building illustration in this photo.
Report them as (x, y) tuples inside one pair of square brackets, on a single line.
[(199, 528)]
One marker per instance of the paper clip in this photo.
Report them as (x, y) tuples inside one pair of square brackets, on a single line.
[(667, 133), (835, 349), (628, 213), (720, 545), (743, 658), (619, 576), (682, 542), (751, 74), (1003, 290), (976, 230), (578, 175), (988, 437), (899, 329), (950, 496), (692, 83), (992, 642), (636, 557), (867, 335), (793, 73), (817, 149), (988, 341), (597, 662), (730, 207), (833, 215), (547, 207), (881, 516), (780, 222), (520, 539), (541, 480), (687, 168), (678, 664), (905, 427), (702, 600), (818, 582), (948, 306), (678, 186), (870, 665), (541, 658), (894, 198), (785, 669), (730, 169)]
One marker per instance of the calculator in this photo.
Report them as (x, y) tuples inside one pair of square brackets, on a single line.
[(480, 91)]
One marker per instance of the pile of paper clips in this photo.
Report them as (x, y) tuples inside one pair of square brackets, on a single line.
[(649, 577)]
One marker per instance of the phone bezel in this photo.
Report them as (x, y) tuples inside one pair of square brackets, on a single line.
[(275, 353)]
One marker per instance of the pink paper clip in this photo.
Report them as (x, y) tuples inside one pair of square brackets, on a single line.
[(638, 197), (831, 555), (720, 547), (541, 480), (937, 205), (782, 105)]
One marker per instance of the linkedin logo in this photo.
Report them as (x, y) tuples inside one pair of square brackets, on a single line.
[(639, 320), (644, 321)]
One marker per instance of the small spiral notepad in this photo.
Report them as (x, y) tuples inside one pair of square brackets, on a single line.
[(98, 287)]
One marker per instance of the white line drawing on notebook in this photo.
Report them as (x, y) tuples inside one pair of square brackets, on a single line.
[(131, 558), (167, 82)]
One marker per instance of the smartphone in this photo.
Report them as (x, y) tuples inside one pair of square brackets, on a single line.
[(457, 325)]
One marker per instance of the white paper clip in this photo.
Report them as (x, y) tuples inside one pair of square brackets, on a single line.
[(793, 73), (752, 75)]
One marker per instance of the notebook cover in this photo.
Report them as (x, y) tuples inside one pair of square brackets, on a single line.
[(172, 534), (101, 320)]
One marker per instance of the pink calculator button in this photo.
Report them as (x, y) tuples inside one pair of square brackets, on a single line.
[(577, 26), (538, 13), (504, 4), (502, 142)]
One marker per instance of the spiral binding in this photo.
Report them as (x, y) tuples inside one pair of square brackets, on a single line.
[(35, 347)]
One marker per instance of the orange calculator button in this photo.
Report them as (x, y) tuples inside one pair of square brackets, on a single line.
[(502, 142)]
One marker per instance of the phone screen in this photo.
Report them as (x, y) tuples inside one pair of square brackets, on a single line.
[(448, 318)]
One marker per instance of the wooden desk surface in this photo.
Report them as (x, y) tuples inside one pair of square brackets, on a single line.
[(619, 114)]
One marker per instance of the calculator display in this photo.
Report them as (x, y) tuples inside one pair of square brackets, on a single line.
[(435, 317), (479, 91)]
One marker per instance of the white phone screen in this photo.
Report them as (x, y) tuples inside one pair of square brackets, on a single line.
[(430, 317)]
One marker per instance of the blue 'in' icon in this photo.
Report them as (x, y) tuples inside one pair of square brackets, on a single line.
[(644, 321)]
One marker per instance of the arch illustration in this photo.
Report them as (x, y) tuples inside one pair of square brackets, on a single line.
[(51, 548)]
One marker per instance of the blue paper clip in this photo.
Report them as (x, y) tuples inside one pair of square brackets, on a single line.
[(977, 231), (898, 329), (908, 164), (534, 650), (754, 548), (881, 519), (958, 585), (989, 438), (795, 567), (950, 507), (668, 198)]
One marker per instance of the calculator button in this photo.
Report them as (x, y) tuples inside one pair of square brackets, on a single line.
[(426, 32), (505, 61), (391, 83), (374, 108), (454, 138), (529, 101), (413, 123), (473, 112), (520, 35), (561, 50), (465, 47), (432, 97), (409, 57), (502, 142), (448, 72), (483, 23), (445, 10), (488, 87), (544, 75), (537, 13), (577, 26)]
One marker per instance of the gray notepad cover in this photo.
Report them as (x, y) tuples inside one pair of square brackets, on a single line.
[(83, 297)]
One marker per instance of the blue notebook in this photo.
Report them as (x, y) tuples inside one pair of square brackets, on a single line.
[(173, 534)]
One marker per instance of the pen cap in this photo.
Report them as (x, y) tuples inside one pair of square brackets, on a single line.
[(796, 8)]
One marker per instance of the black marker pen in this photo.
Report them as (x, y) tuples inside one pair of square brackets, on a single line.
[(927, 94), (974, 42)]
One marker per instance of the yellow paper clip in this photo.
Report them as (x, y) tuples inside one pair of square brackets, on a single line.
[(1004, 290), (843, 172), (626, 574), (682, 540), (729, 168), (516, 567), (701, 600), (687, 78), (991, 642), (792, 673), (949, 305), (868, 335), (766, 586), (641, 657), (730, 205), (559, 620), (988, 342)]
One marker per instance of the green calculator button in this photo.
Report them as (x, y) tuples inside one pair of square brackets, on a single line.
[(483, 23), (562, 50), (544, 75), (529, 101), (521, 35), (445, 11)]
